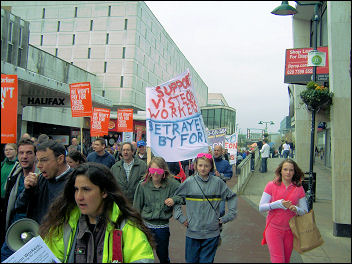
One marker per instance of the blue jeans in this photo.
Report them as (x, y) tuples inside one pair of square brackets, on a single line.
[(286, 154), (252, 164), (161, 236), (201, 250), (264, 165)]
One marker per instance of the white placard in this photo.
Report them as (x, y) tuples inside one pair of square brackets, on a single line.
[(34, 251)]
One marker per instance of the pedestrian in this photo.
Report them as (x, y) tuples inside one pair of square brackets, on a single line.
[(154, 199), (252, 159), (223, 169), (265, 151), (40, 191), (26, 136), (97, 220), (283, 198), (128, 171), (7, 165), (74, 158), (100, 155), (286, 150), (202, 194), (14, 186)]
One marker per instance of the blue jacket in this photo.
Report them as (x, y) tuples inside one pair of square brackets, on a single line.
[(224, 167), (107, 159)]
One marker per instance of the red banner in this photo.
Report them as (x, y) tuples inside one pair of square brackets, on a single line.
[(81, 99), (9, 102), (99, 124), (296, 69), (124, 120)]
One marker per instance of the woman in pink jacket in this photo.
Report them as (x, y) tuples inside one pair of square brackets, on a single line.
[(283, 198)]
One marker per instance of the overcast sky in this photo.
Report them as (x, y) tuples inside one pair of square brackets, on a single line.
[(238, 49)]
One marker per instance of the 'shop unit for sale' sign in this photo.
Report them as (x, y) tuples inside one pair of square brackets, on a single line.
[(99, 124), (9, 102), (175, 128), (81, 99), (124, 120)]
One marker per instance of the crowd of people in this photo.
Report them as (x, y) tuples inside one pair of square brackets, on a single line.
[(110, 204)]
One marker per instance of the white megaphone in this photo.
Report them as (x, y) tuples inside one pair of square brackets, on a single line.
[(20, 232)]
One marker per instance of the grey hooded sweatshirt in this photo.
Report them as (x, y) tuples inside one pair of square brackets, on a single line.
[(203, 221)]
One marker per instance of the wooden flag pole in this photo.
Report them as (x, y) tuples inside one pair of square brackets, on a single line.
[(82, 123), (149, 155)]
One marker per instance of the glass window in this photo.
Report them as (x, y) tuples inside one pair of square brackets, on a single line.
[(123, 52), (73, 39), (88, 53), (217, 118), (76, 11), (20, 37), (56, 51), (19, 57), (58, 26), (121, 82), (109, 11), (10, 32), (41, 40), (126, 22), (107, 38), (43, 14), (91, 25), (105, 66)]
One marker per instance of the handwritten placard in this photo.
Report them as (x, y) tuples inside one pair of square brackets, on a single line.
[(9, 102), (81, 99), (175, 128), (217, 137), (231, 146)]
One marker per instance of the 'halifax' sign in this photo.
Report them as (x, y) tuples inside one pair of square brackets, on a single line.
[(43, 101)]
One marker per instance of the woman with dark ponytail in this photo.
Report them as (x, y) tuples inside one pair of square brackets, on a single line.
[(92, 221)]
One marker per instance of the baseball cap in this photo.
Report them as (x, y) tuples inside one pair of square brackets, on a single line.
[(140, 143)]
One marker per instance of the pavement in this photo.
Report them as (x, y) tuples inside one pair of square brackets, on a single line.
[(241, 238)]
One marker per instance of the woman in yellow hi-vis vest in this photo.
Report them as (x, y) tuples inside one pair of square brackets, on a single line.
[(91, 221)]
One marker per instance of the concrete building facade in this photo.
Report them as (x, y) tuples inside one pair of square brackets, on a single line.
[(122, 42), (334, 31)]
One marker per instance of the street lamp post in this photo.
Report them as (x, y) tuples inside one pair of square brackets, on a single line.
[(283, 10), (266, 124)]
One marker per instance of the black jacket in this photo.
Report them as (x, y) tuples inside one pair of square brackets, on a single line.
[(36, 201)]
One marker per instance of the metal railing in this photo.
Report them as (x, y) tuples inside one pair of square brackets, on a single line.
[(245, 171)]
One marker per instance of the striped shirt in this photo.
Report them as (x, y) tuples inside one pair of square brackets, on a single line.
[(128, 167)]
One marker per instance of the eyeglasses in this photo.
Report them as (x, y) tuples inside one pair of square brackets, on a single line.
[(158, 171), (207, 155)]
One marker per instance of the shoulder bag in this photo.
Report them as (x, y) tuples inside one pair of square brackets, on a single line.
[(306, 235)]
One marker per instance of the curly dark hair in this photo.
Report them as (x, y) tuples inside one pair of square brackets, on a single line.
[(297, 177), (99, 175)]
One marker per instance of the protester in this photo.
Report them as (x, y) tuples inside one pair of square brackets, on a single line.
[(89, 213), (129, 171), (7, 165), (134, 144), (141, 151), (223, 169), (203, 219), (26, 136), (14, 186), (100, 155), (41, 190), (265, 151), (252, 159), (74, 144), (74, 158), (42, 138), (284, 192), (154, 199)]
